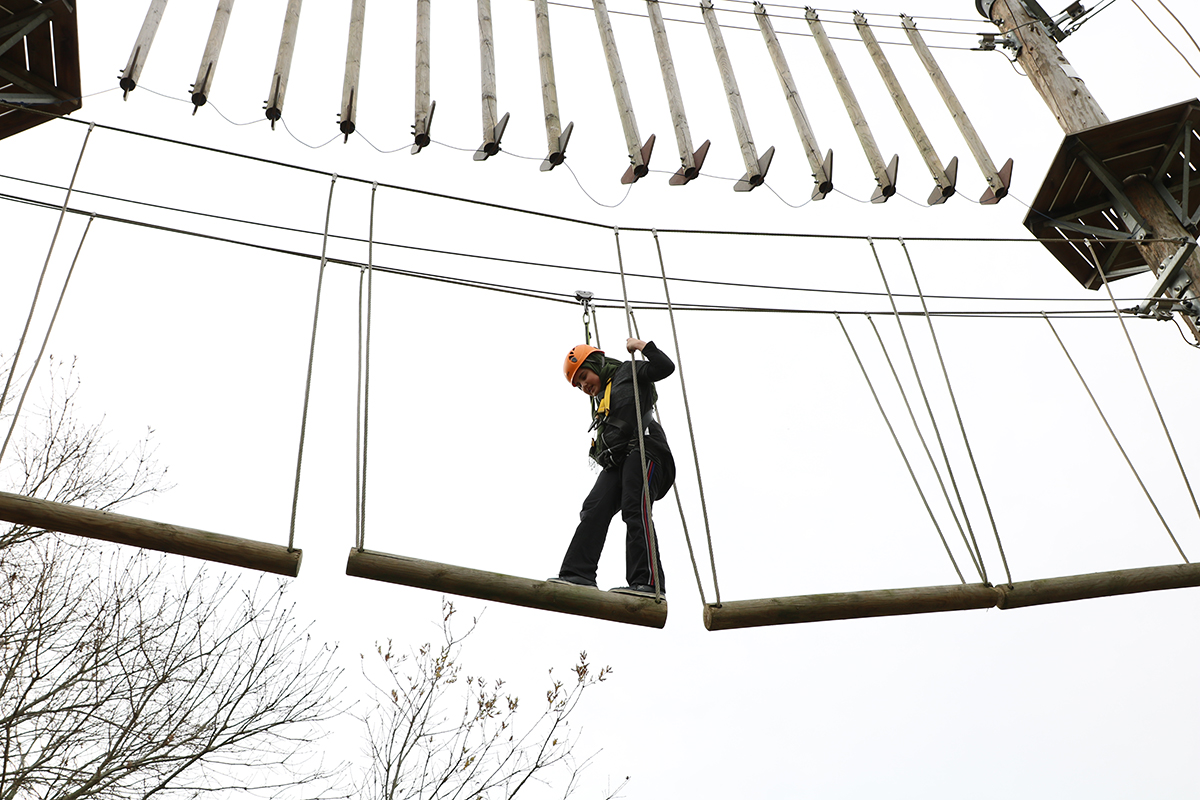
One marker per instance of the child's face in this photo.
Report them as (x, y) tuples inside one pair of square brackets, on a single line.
[(587, 382)]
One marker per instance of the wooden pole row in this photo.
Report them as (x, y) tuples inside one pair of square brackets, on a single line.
[(500, 588), (110, 527), (931, 599)]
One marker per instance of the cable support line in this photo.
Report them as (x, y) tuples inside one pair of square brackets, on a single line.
[(41, 279), (648, 521), (1117, 442), (900, 447), (1180, 24), (363, 405), (971, 20), (972, 545), (958, 415), (312, 353), (972, 34), (1154, 25), (45, 341), (1145, 380), (687, 408)]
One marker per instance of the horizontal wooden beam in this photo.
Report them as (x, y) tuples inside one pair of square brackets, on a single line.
[(1098, 584), (566, 599), (94, 524)]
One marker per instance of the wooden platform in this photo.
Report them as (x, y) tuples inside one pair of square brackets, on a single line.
[(49, 82), (565, 599), (109, 527)]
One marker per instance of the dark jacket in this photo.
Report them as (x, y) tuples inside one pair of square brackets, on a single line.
[(616, 429)]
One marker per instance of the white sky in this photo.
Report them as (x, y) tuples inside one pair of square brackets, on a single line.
[(477, 450)]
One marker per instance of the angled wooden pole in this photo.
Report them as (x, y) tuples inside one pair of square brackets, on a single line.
[(944, 178), (498, 587), (358, 16), (423, 113), (997, 180), (212, 52), (639, 154), (885, 176), (556, 138), (283, 62), (493, 130), (141, 47), (756, 168), (135, 532), (1098, 584), (691, 162), (822, 170)]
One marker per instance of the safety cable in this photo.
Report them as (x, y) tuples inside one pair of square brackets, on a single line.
[(691, 431), (648, 522), (364, 383), (899, 446), (312, 352), (954, 401), (1162, 420), (45, 267), (972, 545), (928, 454), (1116, 441), (45, 341)]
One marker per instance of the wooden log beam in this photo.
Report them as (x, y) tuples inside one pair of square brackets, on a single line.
[(556, 139), (848, 605), (566, 599), (1098, 584), (212, 52), (109, 527), (358, 17), (283, 62), (690, 162), (141, 47), (423, 113), (493, 129), (639, 154)]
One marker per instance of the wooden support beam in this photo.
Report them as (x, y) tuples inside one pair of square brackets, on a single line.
[(822, 170), (283, 62), (1098, 584), (556, 138), (943, 177), (566, 599), (493, 129), (690, 162), (848, 605), (639, 154), (109, 527), (358, 17), (212, 52), (141, 48), (423, 114), (885, 176), (756, 168), (997, 181)]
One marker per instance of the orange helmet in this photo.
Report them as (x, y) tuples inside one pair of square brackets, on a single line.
[(575, 359)]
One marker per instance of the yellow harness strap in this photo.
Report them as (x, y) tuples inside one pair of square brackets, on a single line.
[(603, 407)]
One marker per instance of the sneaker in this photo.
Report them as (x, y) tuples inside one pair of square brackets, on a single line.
[(571, 580), (638, 589)]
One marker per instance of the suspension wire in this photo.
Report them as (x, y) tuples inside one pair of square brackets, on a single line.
[(972, 545), (1116, 441), (1162, 420), (364, 382), (691, 431), (37, 361), (45, 267), (651, 538), (312, 352), (962, 427), (900, 447), (678, 501)]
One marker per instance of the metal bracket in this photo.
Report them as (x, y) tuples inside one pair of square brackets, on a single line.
[(492, 146), (686, 174), (1171, 278), (990, 41), (559, 155)]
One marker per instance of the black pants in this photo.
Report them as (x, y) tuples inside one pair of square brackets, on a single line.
[(620, 489)]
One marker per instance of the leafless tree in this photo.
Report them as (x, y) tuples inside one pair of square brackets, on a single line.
[(434, 731), (125, 675)]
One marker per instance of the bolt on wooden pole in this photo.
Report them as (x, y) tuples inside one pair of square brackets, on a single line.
[(141, 47), (283, 62), (997, 181), (423, 113), (756, 167), (358, 16), (885, 176), (639, 154), (691, 162), (212, 52), (822, 170), (556, 138), (493, 130), (943, 177)]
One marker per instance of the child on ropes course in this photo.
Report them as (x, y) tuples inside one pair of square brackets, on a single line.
[(615, 448)]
